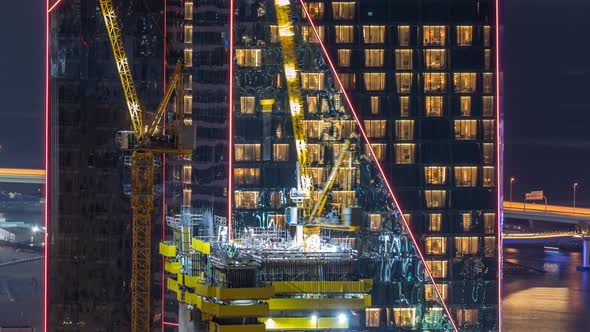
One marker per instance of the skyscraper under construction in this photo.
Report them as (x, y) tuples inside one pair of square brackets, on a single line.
[(345, 175)]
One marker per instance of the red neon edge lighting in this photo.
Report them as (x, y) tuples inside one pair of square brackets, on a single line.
[(46, 207), (368, 143), (499, 165), (230, 103), (50, 9)]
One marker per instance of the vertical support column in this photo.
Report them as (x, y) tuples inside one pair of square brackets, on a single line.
[(585, 255)]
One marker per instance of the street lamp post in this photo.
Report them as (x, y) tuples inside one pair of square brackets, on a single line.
[(574, 189), (512, 180)]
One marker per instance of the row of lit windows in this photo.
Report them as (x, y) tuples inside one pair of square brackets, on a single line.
[(251, 199), (465, 176), (404, 153), (437, 199), (346, 177), (410, 318), (375, 34), (467, 221), (464, 245)]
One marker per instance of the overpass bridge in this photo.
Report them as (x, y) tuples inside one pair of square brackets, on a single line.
[(20, 175), (556, 214)]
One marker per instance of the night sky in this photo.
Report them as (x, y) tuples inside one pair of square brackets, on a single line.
[(546, 56)]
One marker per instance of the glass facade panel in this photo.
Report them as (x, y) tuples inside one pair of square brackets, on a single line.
[(464, 35), (435, 199), (404, 153), (343, 10), (465, 129), (374, 58), (374, 81), (465, 82), (344, 58), (404, 130), (435, 246), (435, 59), (374, 34), (344, 34), (435, 82), (435, 174), (403, 82), (434, 35), (465, 176), (466, 245), (434, 105), (403, 60), (403, 35)]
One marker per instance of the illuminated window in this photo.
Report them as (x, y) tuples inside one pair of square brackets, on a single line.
[(435, 199), (488, 153), (247, 152), (276, 199), (344, 58), (465, 129), (188, 33), (337, 148), (374, 222), (315, 153), (465, 176), (438, 268), (466, 245), (467, 317), (374, 81), (489, 223), (374, 58), (435, 174), (488, 176), (249, 57), (487, 57), (465, 105), (375, 103), (464, 35), (434, 222), (488, 130), (488, 83), (435, 59), (344, 34), (188, 57), (188, 104), (430, 294), (464, 82), (187, 171), (404, 317), (466, 221), (246, 199), (404, 153), (434, 105), (435, 82), (346, 198), (375, 128), (274, 34), (487, 37), (308, 35), (313, 128), (434, 35), (435, 246), (343, 10), (247, 176), (280, 152), (374, 34), (489, 246), (247, 104), (346, 178), (312, 81), (276, 219), (188, 10), (346, 128), (348, 80), (403, 35), (403, 59), (404, 106), (312, 104), (488, 106), (379, 149), (404, 82), (315, 9), (404, 130)]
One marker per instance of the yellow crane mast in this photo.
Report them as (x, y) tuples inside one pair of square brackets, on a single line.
[(148, 140)]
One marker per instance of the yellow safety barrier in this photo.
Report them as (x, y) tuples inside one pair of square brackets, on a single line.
[(172, 285), (167, 250), (201, 246), (260, 293), (308, 323), (189, 281), (220, 310), (172, 267), (292, 287), (320, 304)]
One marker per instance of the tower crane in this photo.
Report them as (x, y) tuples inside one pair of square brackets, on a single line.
[(144, 141)]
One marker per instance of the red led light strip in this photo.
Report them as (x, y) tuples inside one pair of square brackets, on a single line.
[(52, 7), (47, 170), (230, 102), (499, 184), (169, 324), (368, 143)]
